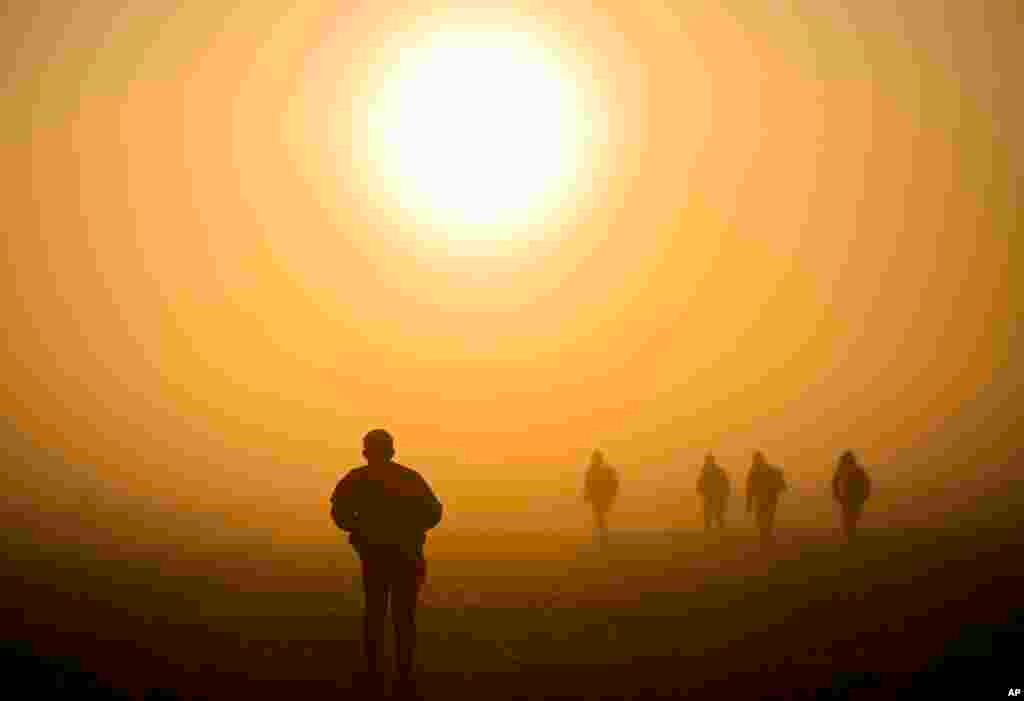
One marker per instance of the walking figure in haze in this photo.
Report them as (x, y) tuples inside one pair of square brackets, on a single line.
[(851, 487), (387, 510), (600, 487), (713, 486), (764, 485)]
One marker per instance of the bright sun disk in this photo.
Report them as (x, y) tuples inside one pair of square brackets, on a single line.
[(480, 131)]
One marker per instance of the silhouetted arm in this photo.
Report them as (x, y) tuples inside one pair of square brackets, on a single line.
[(750, 491), (841, 486), (343, 503), (700, 483), (867, 486), (432, 509)]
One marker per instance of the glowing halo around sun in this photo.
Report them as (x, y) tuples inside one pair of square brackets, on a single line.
[(478, 133)]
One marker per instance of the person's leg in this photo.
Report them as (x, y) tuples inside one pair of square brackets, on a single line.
[(720, 512), (375, 593), (408, 580), (851, 515), (708, 515), (601, 520), (765, 518)]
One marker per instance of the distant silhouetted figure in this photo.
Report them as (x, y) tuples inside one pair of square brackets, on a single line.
[(600, 487), (764, 485), (713, 486), (387, 509), (851, 487)]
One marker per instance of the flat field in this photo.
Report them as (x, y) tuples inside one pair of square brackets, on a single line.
[(899, 613)]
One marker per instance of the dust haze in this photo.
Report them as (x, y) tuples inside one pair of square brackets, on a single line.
[(800, 242)]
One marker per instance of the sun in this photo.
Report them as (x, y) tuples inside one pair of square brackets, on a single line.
[(478, 133)]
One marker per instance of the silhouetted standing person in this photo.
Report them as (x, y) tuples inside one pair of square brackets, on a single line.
[(387, 509), (764, 485), (713, 486), (851, 487), (600, 487)]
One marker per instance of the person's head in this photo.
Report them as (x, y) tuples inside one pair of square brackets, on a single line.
[(758, 458), (597, 458), (378, 446), (709, 459), (847, 459)]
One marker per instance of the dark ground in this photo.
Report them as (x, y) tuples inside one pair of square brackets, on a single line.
[(902, 613)]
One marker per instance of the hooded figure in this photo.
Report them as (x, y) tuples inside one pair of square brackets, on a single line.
[(713, 486), (851, 487)]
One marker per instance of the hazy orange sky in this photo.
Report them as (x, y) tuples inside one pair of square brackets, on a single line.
[(799, 241)]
